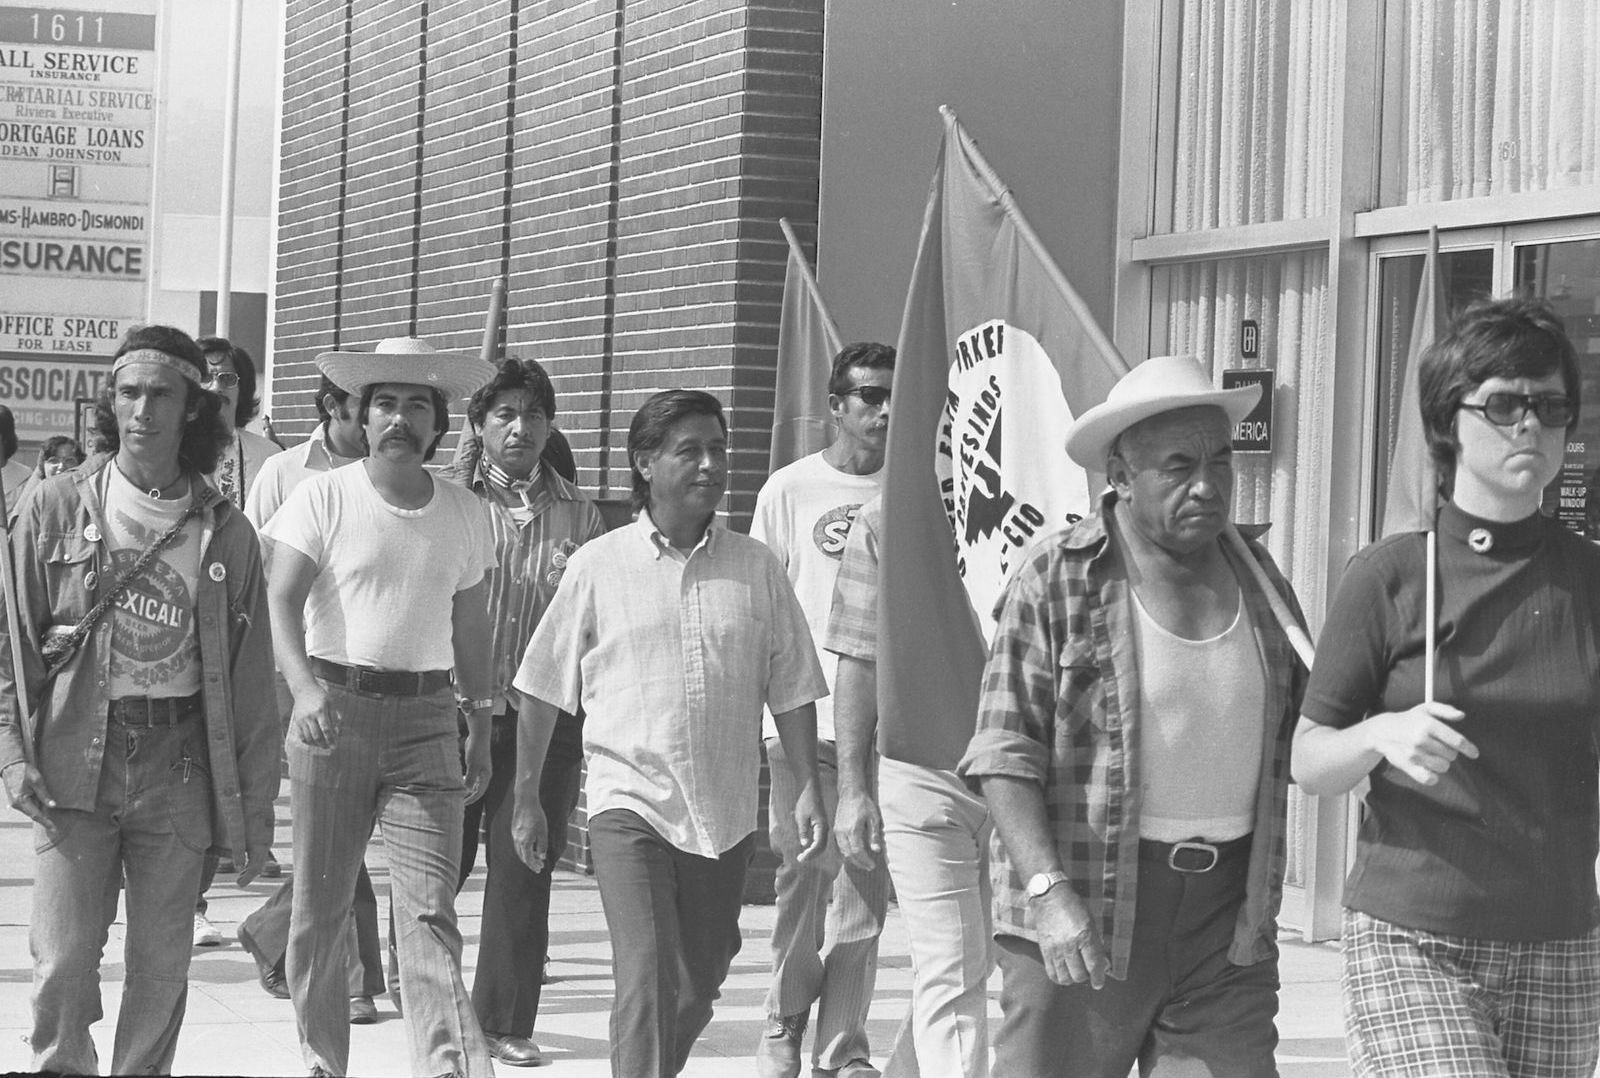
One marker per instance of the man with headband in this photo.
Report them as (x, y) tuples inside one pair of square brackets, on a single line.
[(149, 735), (377, 594)]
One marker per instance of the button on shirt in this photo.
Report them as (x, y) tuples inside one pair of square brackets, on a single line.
[(673, 656)]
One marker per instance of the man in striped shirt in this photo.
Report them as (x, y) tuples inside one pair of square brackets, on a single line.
[(538, 519)]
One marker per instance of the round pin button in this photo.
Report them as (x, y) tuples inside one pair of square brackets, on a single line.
[(217, 571), (92, 533)]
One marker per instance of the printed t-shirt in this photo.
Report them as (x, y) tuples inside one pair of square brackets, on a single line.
[(804, 514), (154, 649)]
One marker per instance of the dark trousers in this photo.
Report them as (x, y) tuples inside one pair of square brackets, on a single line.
[(268, 926), (1184, 1010), (673, 918), (515, 934)]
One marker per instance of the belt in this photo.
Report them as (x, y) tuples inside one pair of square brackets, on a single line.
[(381, 682), (1193, 856), (148, 711)]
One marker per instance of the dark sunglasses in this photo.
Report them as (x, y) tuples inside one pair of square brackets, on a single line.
[(871, 396), (1508, 409), (225, 379)]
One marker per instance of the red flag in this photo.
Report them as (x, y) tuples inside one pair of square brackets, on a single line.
[(996, 355), (1413, 493), (807, 342)]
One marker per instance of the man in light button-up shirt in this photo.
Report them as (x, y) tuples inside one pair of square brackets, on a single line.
[(672, 633)]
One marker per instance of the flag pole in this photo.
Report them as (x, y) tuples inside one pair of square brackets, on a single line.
[(1298, 637), (1025, 232), (19, 677), (835, 342), (1430, 619)]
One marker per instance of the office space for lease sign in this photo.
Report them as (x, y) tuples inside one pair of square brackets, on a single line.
[(77, 138)]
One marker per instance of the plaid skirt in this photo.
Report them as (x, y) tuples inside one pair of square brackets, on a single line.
[(1425, 1004)]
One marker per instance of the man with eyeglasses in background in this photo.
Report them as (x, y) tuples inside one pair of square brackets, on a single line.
[(804, 513)]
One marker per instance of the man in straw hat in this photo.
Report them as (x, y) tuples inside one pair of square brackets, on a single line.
[(154, 738), (1133, 744), (366, 562)]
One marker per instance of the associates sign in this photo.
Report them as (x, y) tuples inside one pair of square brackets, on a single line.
[(77, 133)]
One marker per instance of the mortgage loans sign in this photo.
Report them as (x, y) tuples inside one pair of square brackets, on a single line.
[(77, 134)]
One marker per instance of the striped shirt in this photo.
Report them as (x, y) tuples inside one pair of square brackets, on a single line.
[(672, 657), (853, 621), (532, 559), (1060, 707)]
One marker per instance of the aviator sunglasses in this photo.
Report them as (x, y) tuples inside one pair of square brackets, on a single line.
[(225, 379), (1508, 409)]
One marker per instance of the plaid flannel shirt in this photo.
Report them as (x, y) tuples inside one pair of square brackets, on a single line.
[(1060, 706)]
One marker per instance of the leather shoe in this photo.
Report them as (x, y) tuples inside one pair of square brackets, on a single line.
[(269, 974), (778, 1051), (515, 1051), (363, 1012)]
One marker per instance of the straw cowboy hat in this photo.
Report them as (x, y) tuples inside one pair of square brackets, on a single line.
[(1159, 384), (409, 360)]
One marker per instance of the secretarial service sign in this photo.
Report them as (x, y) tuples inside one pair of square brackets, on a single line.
[(77, 135)]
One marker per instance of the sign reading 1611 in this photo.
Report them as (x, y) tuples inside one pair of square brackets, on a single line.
[(77, 121)]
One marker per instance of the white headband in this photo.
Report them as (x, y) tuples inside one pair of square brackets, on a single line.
[(160, 359)]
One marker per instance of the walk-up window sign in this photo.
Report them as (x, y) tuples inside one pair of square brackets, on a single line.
[(1253, 433)]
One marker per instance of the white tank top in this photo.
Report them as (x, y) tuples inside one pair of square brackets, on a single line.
[(1201, 717)]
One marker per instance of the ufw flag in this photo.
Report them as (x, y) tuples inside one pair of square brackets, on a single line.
[(807, 342), (1413, 492), (996, 355)]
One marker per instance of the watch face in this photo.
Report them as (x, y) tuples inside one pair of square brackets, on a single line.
[(1038, 885)]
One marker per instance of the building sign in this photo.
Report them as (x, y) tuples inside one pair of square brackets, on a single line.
[(1253, 433), (77, 137)]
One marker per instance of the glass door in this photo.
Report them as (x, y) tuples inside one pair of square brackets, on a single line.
[(1557, 261), (1567, 273)]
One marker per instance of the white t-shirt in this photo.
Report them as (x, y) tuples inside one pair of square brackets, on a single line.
[(804, 513), (386, 577), (154, 648)]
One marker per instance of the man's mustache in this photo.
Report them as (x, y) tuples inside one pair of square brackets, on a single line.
[(405, 437)]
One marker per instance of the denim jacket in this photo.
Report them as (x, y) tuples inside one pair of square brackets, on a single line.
[(63, 566)]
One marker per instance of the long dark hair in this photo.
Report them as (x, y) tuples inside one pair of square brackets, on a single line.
[(205, 436)]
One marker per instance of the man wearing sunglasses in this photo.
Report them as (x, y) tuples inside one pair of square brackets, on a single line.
[(804, 513)]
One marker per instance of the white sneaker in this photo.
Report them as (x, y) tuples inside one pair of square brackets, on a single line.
[(205, 933)]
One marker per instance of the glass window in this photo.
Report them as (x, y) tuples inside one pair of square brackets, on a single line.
[(1489, 97), (1250, 138), (1568, 275), (1201, 310), (1464, 276)]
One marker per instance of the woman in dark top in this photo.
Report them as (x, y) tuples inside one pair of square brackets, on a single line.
[(1470, 938)]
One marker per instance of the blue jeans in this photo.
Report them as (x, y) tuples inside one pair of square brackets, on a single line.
[(151, 824), (395, 762)]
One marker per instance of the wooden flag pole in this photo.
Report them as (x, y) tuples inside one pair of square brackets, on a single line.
[(1298, 638)]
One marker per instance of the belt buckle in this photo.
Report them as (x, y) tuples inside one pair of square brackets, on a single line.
[(1193, 857)]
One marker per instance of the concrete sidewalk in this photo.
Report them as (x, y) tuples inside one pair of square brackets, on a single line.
[(233, 1027)]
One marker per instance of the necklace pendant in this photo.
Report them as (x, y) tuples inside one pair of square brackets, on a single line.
[(1481, 540)]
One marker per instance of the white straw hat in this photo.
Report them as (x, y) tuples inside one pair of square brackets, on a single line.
[(407, 360), (1159, 384)]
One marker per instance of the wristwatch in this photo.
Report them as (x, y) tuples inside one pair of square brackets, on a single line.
[(1040, 883), (469, 706)]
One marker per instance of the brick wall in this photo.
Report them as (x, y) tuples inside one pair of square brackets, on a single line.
[(621, 163)]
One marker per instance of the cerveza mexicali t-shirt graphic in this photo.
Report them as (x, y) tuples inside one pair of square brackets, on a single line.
[(154, 649)]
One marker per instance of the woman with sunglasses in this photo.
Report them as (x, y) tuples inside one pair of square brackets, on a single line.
[(1470, 938)]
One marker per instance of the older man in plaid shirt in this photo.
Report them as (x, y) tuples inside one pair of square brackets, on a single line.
[(1132, 741)]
